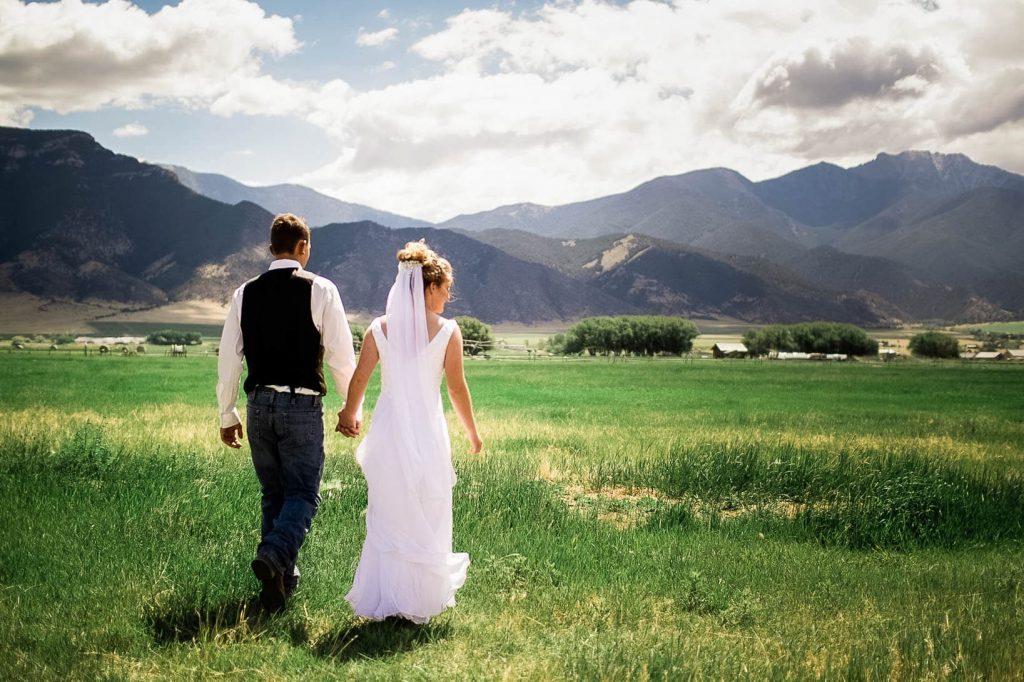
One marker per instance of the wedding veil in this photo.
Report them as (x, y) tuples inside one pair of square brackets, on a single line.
[(407, 378)]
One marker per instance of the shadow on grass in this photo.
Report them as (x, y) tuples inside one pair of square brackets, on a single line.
[(246, 621), (231, 621), (379, 639)]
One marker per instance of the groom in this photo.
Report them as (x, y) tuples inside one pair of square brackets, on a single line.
[(286, 323)]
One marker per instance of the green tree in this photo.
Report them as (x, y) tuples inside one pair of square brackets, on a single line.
[(632, 334), (169, 337), (476, 336), (811, 337), (934, 345), (358, 333)]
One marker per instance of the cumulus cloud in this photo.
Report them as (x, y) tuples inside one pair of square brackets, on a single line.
[(71, 56), (377, 38), (988, 104), (601, 96), (855, 68), (131, 130)]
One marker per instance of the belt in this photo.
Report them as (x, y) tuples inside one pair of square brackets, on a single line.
[(300, 390)]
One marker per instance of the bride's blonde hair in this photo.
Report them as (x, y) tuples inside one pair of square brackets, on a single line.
[(436, 270)]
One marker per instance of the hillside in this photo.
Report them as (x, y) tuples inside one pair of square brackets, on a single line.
[(713, 209), (81, 222), (84, 224), (666, 278), (975, 236), (917, 295)]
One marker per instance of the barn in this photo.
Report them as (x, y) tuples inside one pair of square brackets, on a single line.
[(729, 350)]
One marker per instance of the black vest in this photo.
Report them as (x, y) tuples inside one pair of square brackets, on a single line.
[(282, 345)]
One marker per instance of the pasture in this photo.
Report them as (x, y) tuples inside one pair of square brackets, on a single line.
[(642, 519)]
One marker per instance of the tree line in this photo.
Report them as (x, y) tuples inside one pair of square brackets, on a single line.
[(628, 334), (810, 337)]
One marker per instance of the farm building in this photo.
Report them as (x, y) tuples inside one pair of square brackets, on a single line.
[(969, 355), (783, 355), (111, 340), (1014, 355), (988, 355), (729, 350)]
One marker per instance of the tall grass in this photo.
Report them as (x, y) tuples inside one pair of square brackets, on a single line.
[(624, 524)]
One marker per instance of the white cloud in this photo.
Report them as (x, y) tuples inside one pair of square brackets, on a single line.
[(386, 66), (72, 56), (384, 14), (583, 98), (376, 39), (853, 69), (131, 130), (570, 101)]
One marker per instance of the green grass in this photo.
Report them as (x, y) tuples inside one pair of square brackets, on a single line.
[(629, 520)]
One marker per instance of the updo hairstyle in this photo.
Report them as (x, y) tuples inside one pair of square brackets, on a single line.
[(436, 270)]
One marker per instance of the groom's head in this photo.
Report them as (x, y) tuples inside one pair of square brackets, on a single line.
[(289, 238)]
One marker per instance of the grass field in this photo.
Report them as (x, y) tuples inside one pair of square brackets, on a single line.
[(646, 519), (997, 327)]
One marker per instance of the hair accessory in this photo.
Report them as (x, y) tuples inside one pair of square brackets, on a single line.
[(409, 265)]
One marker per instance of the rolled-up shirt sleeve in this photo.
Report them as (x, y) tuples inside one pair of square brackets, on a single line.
[(229, 363), (339, 355)]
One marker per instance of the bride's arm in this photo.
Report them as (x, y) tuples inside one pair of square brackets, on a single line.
[(458, 391), (348, 420)]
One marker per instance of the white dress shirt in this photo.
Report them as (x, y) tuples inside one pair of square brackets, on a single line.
[(329, 319)]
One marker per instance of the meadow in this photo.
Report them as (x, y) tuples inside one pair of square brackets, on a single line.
[(629, 520)]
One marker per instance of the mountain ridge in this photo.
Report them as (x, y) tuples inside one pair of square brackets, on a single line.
[(81, 221), (314, 207)]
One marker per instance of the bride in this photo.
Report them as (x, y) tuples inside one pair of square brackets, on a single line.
[(407, 567)]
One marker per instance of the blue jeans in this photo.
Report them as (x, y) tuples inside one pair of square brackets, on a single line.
[(286, 436)]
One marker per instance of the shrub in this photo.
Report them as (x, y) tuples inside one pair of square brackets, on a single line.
[(61, 339), (476, 336), (934, 345), (168, 337), (811, 337)]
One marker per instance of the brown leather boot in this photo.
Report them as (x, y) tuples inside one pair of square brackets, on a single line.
[(272, 595)]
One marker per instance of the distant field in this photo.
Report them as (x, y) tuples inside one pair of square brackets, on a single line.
[(997, 327), (110, 328), (641, 519)]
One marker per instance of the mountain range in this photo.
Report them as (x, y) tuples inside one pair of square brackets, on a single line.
[(315, 208), (911, 236)]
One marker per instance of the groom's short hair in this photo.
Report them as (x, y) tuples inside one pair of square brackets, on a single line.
[(286, 232)]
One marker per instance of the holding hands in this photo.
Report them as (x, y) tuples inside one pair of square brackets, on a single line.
[(348, 424)]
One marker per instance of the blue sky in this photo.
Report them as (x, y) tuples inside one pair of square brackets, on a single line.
[(435, 109)]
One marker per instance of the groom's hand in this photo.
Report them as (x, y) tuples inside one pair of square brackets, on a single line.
[(348, 425), (231, 436)]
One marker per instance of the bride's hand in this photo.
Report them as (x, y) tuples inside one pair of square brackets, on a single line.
[(475, 444), (348, 425)]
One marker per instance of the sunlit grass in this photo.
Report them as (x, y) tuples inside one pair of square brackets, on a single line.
[(637, 520)]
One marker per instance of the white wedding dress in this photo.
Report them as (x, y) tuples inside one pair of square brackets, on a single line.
[(407, 567)]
